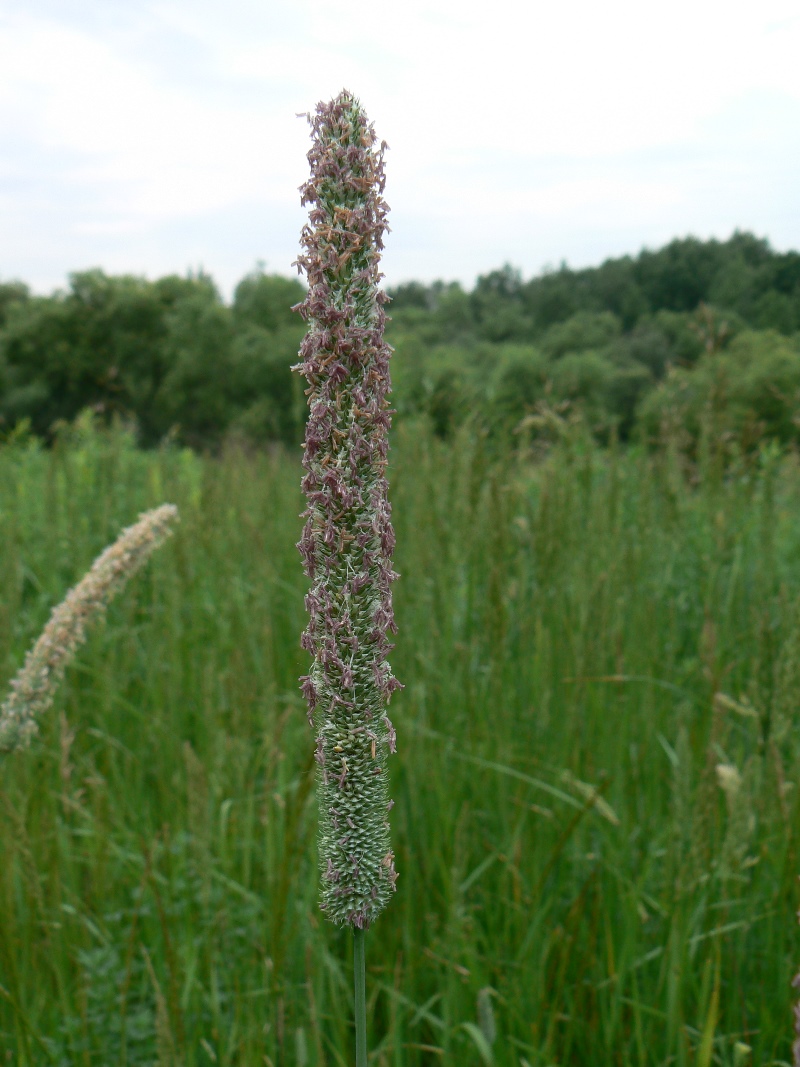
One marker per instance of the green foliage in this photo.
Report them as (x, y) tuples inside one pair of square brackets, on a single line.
[(581, 332), (11, 293), (498, 307), (267, 397), (100, 345), (436, 314), (173, 358), (266, 300), (764, 288), (620, 327), (604, 393), (195, 396), (518, 382), (742, 395), (583, 640), (679, 276), (169, 355)]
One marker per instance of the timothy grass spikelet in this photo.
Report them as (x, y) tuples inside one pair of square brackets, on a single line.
[(33, 688), (348, 539)]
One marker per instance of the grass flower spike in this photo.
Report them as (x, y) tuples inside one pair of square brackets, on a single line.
[(34, 686), (348, 539)]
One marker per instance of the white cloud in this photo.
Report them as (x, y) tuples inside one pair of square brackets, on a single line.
[(127, 120), (149, 149)]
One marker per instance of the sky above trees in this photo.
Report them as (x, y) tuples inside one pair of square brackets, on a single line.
[(152, 136)]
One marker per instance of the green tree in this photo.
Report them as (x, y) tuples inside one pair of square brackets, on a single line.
[(744, 394), (498, 308), (267, 397), (679, 276), (582, 331), (266, 300), (196, 397), (11, 293), (98, 345)]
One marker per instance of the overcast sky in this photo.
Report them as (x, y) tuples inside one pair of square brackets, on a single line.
[(158, 136)]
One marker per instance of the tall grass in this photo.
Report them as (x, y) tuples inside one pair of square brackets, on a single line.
[(585, 641)]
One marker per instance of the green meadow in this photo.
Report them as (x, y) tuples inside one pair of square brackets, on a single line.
[(596, 786)]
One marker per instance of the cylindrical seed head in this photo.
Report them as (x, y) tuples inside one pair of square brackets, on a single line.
[(34, 686), (348, 539)]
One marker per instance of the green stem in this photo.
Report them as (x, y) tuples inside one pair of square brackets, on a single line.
[(361, 997)]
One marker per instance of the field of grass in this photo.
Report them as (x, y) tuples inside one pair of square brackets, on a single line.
[(597, 801)]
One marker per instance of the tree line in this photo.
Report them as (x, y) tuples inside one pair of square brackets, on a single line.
[(632, 347)]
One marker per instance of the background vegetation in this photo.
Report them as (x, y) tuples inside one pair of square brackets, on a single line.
[(596, 489), (625, 346), (597, 808)]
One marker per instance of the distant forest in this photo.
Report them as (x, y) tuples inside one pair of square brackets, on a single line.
[(636, 348)]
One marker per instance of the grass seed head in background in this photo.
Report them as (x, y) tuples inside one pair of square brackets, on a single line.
[(348, 539), (34, 686)]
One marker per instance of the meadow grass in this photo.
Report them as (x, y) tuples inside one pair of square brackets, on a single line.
[(593, 645)]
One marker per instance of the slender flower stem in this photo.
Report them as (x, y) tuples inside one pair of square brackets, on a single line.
[(348, 539), (359, 972)]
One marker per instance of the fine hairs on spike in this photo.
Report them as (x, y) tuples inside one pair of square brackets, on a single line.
[(33, 688), (348, 539)]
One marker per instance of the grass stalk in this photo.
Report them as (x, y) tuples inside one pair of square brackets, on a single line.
[(601, 951), (360, 1000), (348, 538)]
